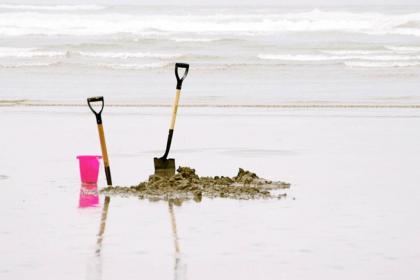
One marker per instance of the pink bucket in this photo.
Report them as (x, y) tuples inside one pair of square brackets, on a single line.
[(89, 168)]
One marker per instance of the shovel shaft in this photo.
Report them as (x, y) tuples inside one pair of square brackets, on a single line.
[(168, 144), (105, 154), (172, 124), (175, 109), (175, 105)]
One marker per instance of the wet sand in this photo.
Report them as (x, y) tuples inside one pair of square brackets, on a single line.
[(353, 174)]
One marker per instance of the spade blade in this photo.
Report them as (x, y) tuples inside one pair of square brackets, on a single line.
[(164, 167)]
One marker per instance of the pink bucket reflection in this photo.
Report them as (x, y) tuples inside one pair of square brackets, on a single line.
[(88, 195)]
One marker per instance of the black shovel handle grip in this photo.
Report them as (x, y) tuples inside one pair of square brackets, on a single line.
[(97, 113), (168, 144), (178, 79)]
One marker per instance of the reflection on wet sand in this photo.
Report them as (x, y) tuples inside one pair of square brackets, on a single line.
[(102, 226), (94, 271), (174, 231), (88, 195), (180, 268)]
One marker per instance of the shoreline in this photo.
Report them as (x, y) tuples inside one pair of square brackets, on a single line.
[(291, 105)]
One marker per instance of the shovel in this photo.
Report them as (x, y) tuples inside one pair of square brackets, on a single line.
[(101, 135), (165, 166), (98, 115)]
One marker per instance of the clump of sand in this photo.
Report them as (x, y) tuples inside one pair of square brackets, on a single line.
[(186, 185)]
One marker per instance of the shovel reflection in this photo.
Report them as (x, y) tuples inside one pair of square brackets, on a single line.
[(102, 226), (180, 268), (95, 267)]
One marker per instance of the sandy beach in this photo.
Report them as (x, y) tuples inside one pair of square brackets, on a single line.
[(318, 94)]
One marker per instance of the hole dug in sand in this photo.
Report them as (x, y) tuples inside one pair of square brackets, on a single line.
[(187, 185)]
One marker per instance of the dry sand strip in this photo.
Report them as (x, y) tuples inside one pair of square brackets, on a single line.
[(300, 105)]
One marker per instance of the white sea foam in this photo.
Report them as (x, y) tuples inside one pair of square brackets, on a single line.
[(321, 57), (127, 55), (379, 64), (299, 57), (132, 66), (357, 52), (204, 40), (28, 64), (404, 49), (108, 34), (28, 53), (18, 23), (50, 8)]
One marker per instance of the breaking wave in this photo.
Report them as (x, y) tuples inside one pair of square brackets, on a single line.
[(127, 55), (133, 66), (378, 64), (136, 37), (28, 53), (320, 57), (51, 8), (200, 40), (404, 49), (389, 56), (29, 64), (31, 20)]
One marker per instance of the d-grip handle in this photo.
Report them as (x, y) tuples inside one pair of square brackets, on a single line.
[(178, 79), (101, 135), (97, 114)]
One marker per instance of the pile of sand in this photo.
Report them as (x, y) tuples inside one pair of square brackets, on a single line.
[(186, 184)]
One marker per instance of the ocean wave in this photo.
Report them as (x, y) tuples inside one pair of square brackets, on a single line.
[(200, 40), (378, 64), (29, 64), (404, 49), (357, 52), (133, 66), (21, 23), (197, 66), (51, 8), (113, 66), (410, 24), (320, 57), (28, 53), (127, 55), (72, 54)]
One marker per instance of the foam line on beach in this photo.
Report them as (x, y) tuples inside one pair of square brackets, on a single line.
[(23, 103), (50, 7)]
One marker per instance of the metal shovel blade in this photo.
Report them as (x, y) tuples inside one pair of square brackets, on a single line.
[(164, 167)]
